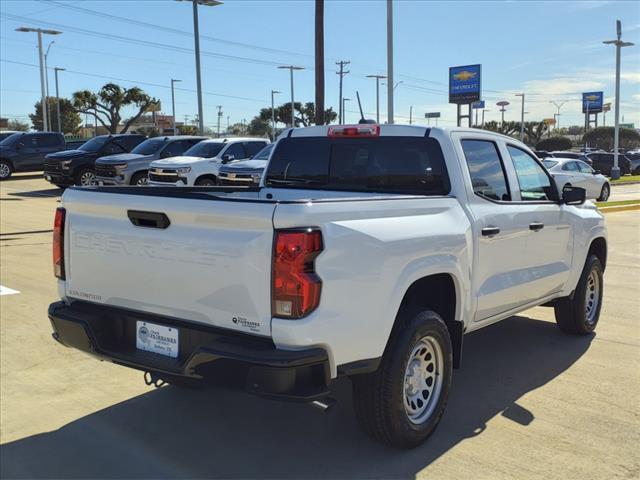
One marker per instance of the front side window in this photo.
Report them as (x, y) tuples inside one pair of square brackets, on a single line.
[(237, 150), (535, 184), (94, 144), (205, 149), (47, 140), (176, 148), (149, 147), (112, 148), (486, 170)]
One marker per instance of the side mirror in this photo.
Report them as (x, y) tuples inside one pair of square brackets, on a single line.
[(166, 154), (597, 172), (573, 195), (227, 158)]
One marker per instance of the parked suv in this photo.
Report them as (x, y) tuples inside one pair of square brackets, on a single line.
[(246, 172), (26, 152), (603, 162), (200, 164), (131, 168), (77, 167)]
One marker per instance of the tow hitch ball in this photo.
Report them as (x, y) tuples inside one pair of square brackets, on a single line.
[(151, 378)]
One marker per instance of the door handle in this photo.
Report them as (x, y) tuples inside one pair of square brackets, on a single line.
[(535, 226), (490, 231), (148, 219)]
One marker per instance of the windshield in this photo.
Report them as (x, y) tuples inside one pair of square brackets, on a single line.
[(149, 147), (94, 144), (205, 149), (11, 139), (549, 163), (264, 153)]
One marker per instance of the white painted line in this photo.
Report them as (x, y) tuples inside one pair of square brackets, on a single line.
[(7, 291)]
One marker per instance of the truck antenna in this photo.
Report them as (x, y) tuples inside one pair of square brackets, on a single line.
[(362, 119)]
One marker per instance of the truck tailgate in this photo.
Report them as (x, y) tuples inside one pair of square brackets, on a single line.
[(211, 265)]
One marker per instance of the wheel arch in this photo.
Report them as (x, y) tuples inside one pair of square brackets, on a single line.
[(441, 293), (138, 172), (9, 161), (206, 175), (598, 247)]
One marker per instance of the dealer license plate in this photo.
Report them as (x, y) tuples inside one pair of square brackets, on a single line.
[(161, 339)]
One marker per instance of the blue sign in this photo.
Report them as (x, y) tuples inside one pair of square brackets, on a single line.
[(479, 104), (464, 84), (592, 102)]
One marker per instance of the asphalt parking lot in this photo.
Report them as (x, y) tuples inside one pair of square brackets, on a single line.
[(528, 403)]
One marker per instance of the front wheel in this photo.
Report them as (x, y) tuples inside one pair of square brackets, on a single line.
[(206, 182), (140, 179), (401, 403), (579, 314), (86, 177), (604, 193), (5, 169)]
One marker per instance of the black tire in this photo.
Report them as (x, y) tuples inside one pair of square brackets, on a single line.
[(83, 176), (573, 314), (140, 179), (206, 182), (6, 169), (604, 193), (379, 397)]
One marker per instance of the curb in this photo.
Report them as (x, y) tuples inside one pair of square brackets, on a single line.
[(623, 183), (620, 208)]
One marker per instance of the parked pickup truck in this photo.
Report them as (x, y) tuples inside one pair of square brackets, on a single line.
[(368, 251)]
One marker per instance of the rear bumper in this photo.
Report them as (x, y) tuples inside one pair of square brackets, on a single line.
[(214, 355)]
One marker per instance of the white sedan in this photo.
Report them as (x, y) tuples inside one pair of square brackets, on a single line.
[(576, 173)]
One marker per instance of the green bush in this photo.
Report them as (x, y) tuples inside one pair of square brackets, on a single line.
[(602, 137), (554, 143)]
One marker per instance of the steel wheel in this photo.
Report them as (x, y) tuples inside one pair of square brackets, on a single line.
[(87, 178), (423, 380), (592, 297)]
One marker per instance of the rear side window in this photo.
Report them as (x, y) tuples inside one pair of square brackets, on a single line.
[(44, 140), (486, 169), (570, 167), (408, 165)]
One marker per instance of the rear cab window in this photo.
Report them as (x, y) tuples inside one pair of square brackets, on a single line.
[(403, 165)]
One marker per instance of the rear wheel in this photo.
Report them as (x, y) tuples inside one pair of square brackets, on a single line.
[(6, 169), (604, 193), (402, 402), (206, 182), (140, 179), (579, 315), (86, 177)]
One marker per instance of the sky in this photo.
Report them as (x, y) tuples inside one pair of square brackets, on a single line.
[(551, 51)]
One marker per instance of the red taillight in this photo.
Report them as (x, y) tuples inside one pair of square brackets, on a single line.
[(58, 243), (352, 131), (296, 286)]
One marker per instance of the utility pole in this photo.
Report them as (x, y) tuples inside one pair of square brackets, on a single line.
[(411, 115), (46, 83), (228, 125), (378, 78), (521, 117), (219, 107), (173, 103), (273, 115), (320, 120), (56, 70), (43, 100), (558, 106), (291, 68), (196, 36), (341, 73), (615, 171), (484, 110), (344, 110), (390, 61)]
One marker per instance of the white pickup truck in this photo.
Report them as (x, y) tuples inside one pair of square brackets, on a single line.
[(368, 251)]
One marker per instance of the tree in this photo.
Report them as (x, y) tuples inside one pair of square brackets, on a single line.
[(534, 131), (602, 137), (554, 143), (69, 117), (148, 131), (259, 128), (17, 125), (506, 128), (304, 114), (188, 130), (108, 102)]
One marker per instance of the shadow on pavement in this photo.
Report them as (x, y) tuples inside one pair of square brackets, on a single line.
[(49, 192), (212, 433), (29, 176)]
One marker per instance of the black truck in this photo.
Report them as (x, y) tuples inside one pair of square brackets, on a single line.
[(77, 167), (25, 152)]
